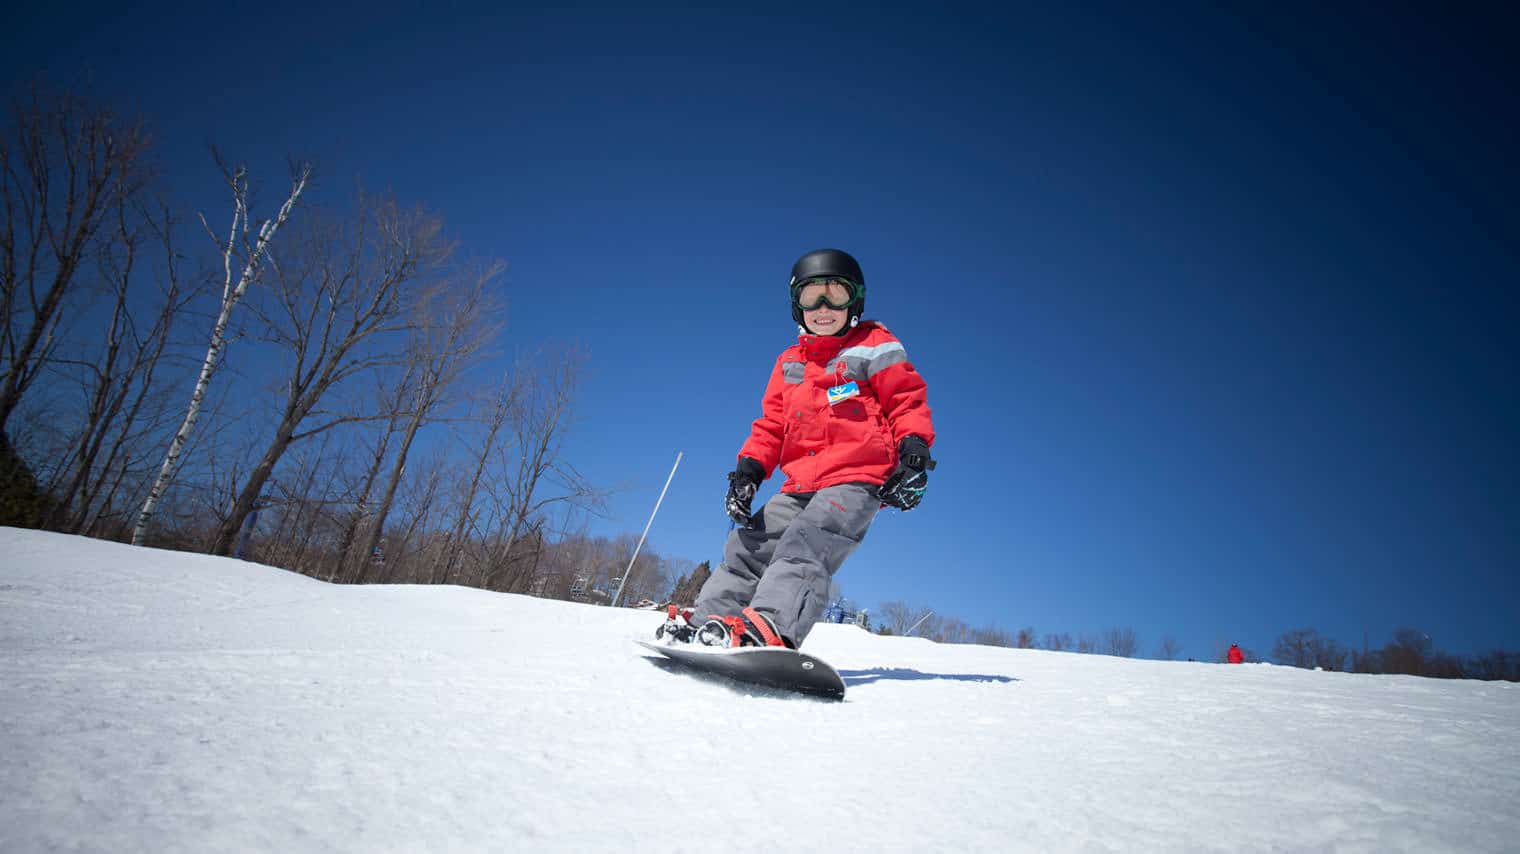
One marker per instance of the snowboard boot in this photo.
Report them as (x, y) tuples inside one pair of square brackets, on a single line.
[(750, 628), (677, 627)]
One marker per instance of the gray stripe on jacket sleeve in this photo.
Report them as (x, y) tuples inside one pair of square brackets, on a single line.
[(868, 361)]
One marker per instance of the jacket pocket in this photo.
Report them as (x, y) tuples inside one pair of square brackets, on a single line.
[(856, 434)]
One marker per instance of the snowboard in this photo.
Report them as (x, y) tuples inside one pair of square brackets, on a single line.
[(771, 666)]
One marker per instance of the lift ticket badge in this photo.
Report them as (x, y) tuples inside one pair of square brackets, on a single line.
[(843, 392)]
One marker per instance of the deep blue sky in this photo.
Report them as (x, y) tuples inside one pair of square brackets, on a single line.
[(1218, 310)]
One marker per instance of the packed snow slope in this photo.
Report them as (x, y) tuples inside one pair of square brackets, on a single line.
[(158, 701)]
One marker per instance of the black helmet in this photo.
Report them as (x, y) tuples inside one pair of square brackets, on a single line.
[(829, 262)]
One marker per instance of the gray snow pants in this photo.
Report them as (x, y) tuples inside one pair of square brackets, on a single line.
[(782, 567)]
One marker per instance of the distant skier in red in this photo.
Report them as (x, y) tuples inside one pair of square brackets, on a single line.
[(846, 417), (1235, 656)]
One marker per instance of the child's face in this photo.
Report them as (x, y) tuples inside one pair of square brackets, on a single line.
[(824, 320), (830, 301)]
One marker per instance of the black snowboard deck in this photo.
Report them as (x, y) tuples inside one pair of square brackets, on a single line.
[(771, 666)]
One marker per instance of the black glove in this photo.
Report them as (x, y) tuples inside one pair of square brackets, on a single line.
[(743, 481), (905, 488)]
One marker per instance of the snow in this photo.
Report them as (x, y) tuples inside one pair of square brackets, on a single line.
[(154, 700)]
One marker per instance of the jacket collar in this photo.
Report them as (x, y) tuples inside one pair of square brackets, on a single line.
[(825, 347)]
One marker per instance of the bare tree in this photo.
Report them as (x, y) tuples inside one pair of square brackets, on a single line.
[(1329, 655), (1168, 649), (946, 629), (302, 503), (1058, 642), (65, 164), (538, 476), (344, 564), (991, 636), (109, 500), (408, 543), (574, 563), (897, 617), (647, 579), (449, 331), (118, 383), (1496, 664), (65, 167), (467, 518), (329, 314), (1295, 648), (957, 630), (1027, 638), (1409, 652), (1307, 648), (1121, 642), (232, 293)]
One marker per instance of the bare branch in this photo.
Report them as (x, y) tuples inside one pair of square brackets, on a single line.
[(232, 294), (65, 166)]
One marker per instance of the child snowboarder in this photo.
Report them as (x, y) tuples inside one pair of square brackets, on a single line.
[(846, 417)]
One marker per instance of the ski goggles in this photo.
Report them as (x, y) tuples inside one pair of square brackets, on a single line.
[(816, 293)]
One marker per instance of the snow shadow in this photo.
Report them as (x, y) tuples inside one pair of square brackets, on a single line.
[(879, 674)]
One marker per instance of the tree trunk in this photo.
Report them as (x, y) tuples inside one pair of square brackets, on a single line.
[(424, 402), (356, 518), (231, 296), (248, 496), (455, 542)]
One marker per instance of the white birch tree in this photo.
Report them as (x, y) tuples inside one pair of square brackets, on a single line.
[(232, 294)]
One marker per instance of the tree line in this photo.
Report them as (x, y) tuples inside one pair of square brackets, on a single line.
[(1409, 652), (317, 384), (900, 618)]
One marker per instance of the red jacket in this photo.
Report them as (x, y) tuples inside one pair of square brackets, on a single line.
[(1235, 656), (854, 438)]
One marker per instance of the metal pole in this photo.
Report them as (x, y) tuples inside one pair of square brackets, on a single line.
[(624, 582), (919, 623)]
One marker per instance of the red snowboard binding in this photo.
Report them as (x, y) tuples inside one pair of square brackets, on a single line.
[(677, 627), (750, 628)]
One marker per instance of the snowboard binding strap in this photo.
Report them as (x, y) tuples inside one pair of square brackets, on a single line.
[(735, 630), (763, 626)]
